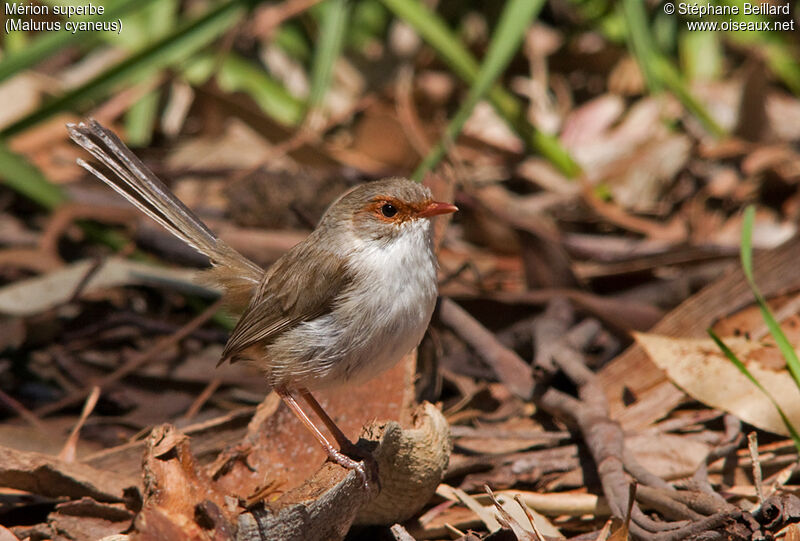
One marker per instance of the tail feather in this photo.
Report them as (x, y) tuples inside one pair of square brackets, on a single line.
[(142, 188)]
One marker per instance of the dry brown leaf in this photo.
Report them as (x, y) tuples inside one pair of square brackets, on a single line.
[(560, 503), (440, 525), (603, 534), (545, 175), (783, 111), (509, 436), (510, 522), (641, 125), (620, 531), (481, 506), (721, 99), (238, 146), (35, 295), (24, 91), (591, 120), (485, 513), (49, 476), (88, 519), (644, 178), (633, 374), (542, 524), (700, 368), (484, 124), (667, 455), (792, 532), (626, 77), (769, 231), (7, 535), (180, 502)]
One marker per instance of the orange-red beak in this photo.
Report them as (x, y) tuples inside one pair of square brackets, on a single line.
[(437, 207)]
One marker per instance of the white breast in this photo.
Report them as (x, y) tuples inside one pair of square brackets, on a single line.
[(382, 316)]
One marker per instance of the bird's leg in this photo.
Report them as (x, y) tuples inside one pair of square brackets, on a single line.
[(344, 442), (333, 454)]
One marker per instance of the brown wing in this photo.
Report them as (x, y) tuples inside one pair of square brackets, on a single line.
[(293, 291)]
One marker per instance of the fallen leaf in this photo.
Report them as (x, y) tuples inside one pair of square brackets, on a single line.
[(49, 476), (590, 121), (783, 111), (543, 525), (668, 456), (179, 497), (88, 519), (7, 535), (643, 179), (484, 124), (35, 295), (25, 92), (792, 532), (700, 368)]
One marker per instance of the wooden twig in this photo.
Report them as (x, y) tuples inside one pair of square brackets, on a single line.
[(26, 414), (67, 453), (202, 398), (606, 442), (135, 363), (515, 373)]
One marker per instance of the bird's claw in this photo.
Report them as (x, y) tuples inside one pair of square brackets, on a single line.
[(360, 466)]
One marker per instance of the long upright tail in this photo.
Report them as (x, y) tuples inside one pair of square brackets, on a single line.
[(143, 189)]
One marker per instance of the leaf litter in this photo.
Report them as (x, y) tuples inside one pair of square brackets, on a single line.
[(542, 395)]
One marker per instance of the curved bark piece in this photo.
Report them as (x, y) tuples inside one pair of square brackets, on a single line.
[(410, 464), (322, 509)]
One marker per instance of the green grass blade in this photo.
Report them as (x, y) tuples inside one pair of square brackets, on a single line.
[(437, 34), (746, 255), (290, 38), (334, 15), (140, 119), (775, 47), (701, 55), (166, 51), (746, 246), (51, 42), (145, 27), (435, 31), (369, 20), (743, 369), (506, 38), (640, 43), (14, 43), (235, 74), (657, 69), (24, 178), (18, 174)]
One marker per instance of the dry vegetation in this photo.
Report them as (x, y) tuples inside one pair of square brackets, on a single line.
[(601, 156)]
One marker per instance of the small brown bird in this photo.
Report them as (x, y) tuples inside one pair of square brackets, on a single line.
[(342, 306)]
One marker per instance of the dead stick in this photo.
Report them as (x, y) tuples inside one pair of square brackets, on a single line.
[(515, 373), (23, 412), (134, 364), (202, 398)]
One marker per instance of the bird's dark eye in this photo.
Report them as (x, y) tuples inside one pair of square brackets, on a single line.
[(388, 210)]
